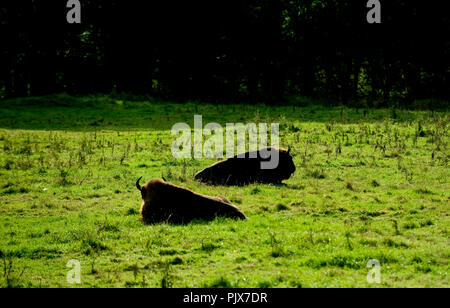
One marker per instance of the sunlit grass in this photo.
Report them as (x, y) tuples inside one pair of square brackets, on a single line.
[(367, 186)]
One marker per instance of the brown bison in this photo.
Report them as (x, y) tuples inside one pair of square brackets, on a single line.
[(165, 202), (267, 165)]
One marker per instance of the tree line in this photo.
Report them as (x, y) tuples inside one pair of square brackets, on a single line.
[(228, 51)]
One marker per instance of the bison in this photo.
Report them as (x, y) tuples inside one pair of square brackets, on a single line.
[(249, 168), (165, 202)]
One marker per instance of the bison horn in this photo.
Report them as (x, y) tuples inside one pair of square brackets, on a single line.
[(289, 149), (138, 185)]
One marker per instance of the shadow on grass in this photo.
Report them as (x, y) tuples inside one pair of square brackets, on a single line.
[(102, 112)]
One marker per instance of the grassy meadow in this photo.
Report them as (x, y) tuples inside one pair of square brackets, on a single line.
[(370, 184)]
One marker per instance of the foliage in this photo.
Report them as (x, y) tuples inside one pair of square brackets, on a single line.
[(67, 177), (229, 51)]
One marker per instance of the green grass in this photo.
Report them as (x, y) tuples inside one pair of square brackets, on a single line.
[(370, 184)]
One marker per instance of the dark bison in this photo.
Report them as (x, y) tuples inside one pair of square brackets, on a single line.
[(251, 167), (165, 202)]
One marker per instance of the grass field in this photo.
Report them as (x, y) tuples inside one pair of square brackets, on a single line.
[(370, 184)]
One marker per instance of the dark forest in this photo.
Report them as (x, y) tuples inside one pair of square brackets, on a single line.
[(228, 51)]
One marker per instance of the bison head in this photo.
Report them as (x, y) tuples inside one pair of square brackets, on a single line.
[(286, 166)]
